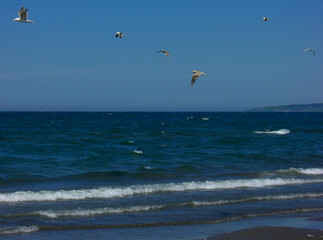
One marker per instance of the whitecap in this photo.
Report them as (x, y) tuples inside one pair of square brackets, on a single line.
[(279, 132), (259, 198), (92, 212), (306, 171), (113, 192), (137, 151), (83, 212), (21, 229), (205, 119)]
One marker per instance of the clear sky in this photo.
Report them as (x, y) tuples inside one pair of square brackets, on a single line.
[(69, 59)]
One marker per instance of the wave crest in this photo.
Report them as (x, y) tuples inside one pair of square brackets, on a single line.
[(137, 151), (14, 230), (81, 212), (278, 132), (110, 192), (93, 212), (306, 171)]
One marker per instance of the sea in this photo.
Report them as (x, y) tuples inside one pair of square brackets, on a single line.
[(156, 175)]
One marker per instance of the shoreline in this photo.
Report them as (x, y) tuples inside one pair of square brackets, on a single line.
[(269, 233), (297, 226)]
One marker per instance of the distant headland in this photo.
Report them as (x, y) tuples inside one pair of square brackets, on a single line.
[(314, 107)]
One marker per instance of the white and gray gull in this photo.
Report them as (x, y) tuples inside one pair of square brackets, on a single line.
[(195, 76), (164, 51), (265, 19), (120, 34), (310, 50), (23, 16)]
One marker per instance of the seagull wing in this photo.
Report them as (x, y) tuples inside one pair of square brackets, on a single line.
[(194, 77), (21, 12), (309, 49), (26, 14), (23, 15), (164, 51)]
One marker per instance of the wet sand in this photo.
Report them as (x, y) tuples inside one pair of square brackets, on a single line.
[(271, 233)]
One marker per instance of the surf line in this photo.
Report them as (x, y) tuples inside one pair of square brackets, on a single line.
[(209, 221)]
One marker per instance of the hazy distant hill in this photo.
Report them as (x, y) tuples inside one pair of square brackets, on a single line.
[(314, 107)]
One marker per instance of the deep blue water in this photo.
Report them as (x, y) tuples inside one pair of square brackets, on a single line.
[(119, 170)]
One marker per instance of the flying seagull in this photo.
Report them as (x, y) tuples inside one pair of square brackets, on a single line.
[(120, 34), (195, 76), (164, 51), (309, 49), (265, 19), (22, 16)]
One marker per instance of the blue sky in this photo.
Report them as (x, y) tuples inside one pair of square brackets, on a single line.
[(69, 59)]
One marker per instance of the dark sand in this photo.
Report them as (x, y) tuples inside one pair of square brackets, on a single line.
[(271, 233)]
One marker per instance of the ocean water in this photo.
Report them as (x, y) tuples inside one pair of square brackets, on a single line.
[(86, 172)]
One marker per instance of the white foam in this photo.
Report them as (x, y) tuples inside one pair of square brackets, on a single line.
[(279, 132), (260, 198), (92, 212), (14, 230), (205, 119), (105, 211), (306, 171), (137, 151), (110, 192), (286, 212)]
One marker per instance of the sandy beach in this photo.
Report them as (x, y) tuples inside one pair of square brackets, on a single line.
[(270, 233)]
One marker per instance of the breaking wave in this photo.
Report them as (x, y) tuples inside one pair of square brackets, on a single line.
[(279, 132), (111, 192), (93, 212), (260, 198), (12, 230), (81, 212), (137, 151), (306, 171), (15, 230)]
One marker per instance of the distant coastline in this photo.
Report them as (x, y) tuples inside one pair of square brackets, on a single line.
[(314, 107)]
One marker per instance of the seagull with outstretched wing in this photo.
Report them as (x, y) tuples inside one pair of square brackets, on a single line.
[(309, 50), (265, 19), (23, 17), (120, 34), (196, 75), (164, 51)]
